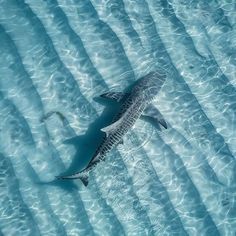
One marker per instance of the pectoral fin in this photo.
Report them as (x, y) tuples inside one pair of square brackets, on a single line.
[(49, 114), (153, 115), (116, 96), (121, 141)]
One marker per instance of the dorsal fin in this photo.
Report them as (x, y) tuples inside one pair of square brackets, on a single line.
[(108, 129), (84, 178)]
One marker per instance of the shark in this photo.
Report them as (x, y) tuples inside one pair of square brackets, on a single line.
[(136, 102)]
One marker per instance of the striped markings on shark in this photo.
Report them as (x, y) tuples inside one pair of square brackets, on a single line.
[(135, 104)]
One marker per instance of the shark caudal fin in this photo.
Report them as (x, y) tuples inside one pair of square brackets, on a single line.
[(84, 178)]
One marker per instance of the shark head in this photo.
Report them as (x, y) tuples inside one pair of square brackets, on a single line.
[(149, 85)]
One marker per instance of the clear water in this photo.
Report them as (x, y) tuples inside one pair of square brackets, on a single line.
[(58, 56)]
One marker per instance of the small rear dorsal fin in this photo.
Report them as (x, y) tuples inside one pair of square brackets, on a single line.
[(163, 123), (84, 180)]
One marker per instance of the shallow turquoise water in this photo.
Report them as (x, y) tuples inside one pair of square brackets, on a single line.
[(59, 56)]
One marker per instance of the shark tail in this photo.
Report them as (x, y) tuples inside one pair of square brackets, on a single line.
[(84, 178)]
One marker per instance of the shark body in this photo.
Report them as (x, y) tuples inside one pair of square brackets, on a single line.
[(134, 104)]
